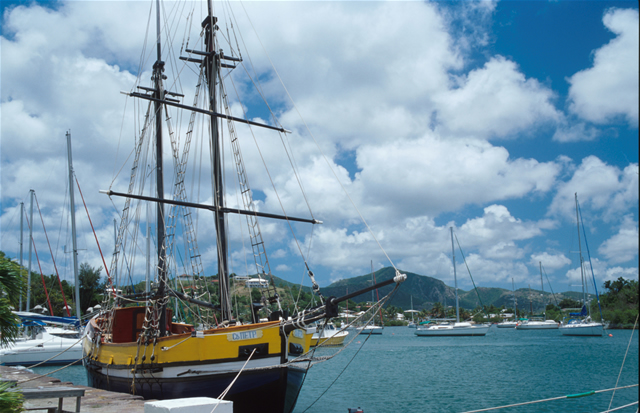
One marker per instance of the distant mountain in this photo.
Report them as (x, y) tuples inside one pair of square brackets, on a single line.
[(425, 290), (428, 290)]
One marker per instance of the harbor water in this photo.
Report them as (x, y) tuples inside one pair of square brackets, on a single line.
[(401, 372)]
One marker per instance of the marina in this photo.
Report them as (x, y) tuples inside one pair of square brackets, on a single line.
[(243, 165), (398, 371)]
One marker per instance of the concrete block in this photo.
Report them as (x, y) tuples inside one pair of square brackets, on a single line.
[(189, 405)]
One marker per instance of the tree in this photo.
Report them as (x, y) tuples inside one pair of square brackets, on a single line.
[(256, 295), (619, 303), (90, 286), (437, 311), (55, 295), (464, 314), (10, 287), (553, 312), (569, 303)]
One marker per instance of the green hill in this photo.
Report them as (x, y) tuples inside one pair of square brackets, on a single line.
[(428, 290)]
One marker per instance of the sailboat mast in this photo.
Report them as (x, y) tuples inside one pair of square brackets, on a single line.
[(541, 281), (21, 239), (515, 304), (31, 192), (584, 296), (544, 308), (455, 278), (72, 209), (158, 94), (212, 65)]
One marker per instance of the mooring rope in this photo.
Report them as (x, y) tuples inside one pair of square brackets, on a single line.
[(51, 372), (569, 396), (56, 355), (624, 359)]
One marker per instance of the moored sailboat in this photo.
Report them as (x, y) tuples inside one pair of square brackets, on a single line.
[(581, 324), (328, 335), (538, 322), (458, 328), (511, 323), (138, 344)]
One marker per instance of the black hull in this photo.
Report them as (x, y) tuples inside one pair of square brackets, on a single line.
[(273, 390)]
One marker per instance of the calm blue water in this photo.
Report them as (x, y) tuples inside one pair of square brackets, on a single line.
[(400, 372)]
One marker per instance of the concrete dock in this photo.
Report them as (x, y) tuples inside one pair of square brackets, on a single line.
[(94, 400)]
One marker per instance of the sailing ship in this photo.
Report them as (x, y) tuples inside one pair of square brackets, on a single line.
[(581, 324), (175, 340), (458, 328)]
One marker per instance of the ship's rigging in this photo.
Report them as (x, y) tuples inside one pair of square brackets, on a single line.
[(142, 344)]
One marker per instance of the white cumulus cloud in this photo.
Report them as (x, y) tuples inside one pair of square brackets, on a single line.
[(610, 87)]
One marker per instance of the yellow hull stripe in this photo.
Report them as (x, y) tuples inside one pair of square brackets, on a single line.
[(217, 344)]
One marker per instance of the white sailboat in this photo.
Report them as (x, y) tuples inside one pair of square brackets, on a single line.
[(511, 323), (54, 340), (371, 327), (412, 324), (458, 328), (581, 324), (49, 345), (538, 323)]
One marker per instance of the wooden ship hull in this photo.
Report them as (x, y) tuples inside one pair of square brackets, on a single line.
[(191, 363)]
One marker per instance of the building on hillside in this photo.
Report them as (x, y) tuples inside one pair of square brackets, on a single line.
[(256, 283)]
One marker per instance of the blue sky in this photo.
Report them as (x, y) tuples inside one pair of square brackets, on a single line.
[(484, 116)]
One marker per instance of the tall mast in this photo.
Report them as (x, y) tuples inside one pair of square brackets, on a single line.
[(31, 192), (212, 65), (21, 238), (541, 281), (147, 275), (455, 278), (158, 94), (515, 304), (584, 295), (114, 269), (544, 308), (72, 208)]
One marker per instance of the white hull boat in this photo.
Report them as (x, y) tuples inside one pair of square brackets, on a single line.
[(455, 329), (371, 330), (582, 328), (328, 336), (507, 324), (583, 325), (458, 328), (45, 348), (537, 325)]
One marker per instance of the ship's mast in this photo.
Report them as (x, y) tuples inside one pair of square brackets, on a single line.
[(158, 94), (212, 65)]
